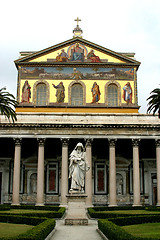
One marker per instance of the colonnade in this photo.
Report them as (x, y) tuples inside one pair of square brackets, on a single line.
[(88, 185)]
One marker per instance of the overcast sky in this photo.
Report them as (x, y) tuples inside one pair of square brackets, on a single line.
[(119, 25)]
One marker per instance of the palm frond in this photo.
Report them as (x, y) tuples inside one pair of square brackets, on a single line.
[(7, 104), (154, 102)]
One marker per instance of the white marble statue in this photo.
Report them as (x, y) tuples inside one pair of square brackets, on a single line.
[(77, 168)]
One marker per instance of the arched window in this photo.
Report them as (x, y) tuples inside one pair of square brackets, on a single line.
[(112, 95), (77, 94), (41, 94)]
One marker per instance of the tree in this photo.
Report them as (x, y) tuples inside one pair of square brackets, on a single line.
[(7, 104), (154, 102)]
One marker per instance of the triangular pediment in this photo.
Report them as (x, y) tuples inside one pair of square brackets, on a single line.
[(77, 50)]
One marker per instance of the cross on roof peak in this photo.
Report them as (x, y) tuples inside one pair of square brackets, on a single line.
[(77, 20), (77, 30)]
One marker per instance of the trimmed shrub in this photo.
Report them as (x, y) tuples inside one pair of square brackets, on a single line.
[(113, 232), (33, 207), (129, 207), (21, 219), (107, 214), (132, 220), (50, 214), (39, 232)]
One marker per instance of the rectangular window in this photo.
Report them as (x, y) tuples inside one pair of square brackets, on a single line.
[(100, 180), (52, 178)]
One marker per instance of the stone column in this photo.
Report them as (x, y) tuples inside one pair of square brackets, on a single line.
[(40, 172), (88, 177), (158, 170), (16, 171), (112, 173), (64, 172), (136, 173)]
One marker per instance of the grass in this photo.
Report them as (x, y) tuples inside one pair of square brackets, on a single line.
[(133, 212), (21, 211), (146, 230), (9, 229)]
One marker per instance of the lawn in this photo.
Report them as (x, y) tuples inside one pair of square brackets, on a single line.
[(132, 212), (22, 211), (147, 230), (9, 229)]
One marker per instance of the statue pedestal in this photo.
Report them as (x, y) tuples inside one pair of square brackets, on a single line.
[(76, 214)]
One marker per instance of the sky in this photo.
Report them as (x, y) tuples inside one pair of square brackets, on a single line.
[(121, 26)]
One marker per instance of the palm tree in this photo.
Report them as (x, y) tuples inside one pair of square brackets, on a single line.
[(154, 102), (7, 103)]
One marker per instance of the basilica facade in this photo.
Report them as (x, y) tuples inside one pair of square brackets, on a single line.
[(77, 91)]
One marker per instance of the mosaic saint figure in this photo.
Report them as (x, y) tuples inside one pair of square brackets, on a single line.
[(77, 168), (77, 53), (26, 92), (95, 93), (60, 93), (93, 57), (76, 74), (127, 93), (62, 57)]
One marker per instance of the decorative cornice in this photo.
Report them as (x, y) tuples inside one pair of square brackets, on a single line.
[(157, 142), (17, 141), (41, 141), (78, 64), (135, 142), (49, 125), (65, 142)]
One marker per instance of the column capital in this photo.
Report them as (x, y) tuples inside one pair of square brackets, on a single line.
[(17, 141), (88, 142), (65, 142), (135, 142), (157, 141), (112, 142), (41, 141)]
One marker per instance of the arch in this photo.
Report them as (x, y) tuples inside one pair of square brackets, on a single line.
[(77, 93), (113, 93), (44, 85)]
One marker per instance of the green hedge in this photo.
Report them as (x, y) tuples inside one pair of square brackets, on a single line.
[(123, 221), (51, 214), (114, 232), (21, 219), (117, 208), (39, 232), (105, 214), (49, 208)]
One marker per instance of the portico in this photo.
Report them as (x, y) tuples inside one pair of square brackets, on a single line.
[(104, 155)]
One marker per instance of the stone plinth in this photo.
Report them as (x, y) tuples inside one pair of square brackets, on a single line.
[(76, 214)]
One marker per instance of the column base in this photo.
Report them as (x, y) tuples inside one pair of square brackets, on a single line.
[(113, 205), (136, 205), (15, 204), (39, 205), (64, 205), (158, 204)]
